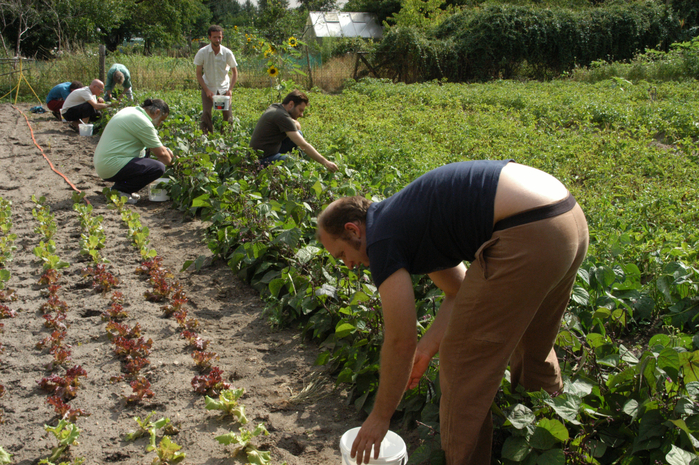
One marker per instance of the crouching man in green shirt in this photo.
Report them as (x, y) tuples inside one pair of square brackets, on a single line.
[(118, 74), (120, 155)]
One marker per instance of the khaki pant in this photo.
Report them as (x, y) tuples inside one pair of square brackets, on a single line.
[(207, 122), (508, 309)]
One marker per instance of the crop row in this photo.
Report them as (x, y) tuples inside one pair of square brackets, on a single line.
[(128, 343), (638, 281)]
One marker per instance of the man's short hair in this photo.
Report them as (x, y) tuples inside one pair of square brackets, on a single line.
[(344, 210), (295, 96), (75, 85), (118, 77), (214, 28)]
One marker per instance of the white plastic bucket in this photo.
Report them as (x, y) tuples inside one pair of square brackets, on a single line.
[(157, 192), (392, 452), (86, 129), (222, 102)]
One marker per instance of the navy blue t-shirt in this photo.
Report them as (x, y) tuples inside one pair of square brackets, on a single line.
[(435, 222)]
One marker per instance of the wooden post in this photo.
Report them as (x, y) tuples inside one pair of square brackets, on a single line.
[(103, 55), (310, 71)]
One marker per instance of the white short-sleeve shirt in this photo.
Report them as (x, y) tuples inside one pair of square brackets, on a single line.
[(77, 97), (215, 67)]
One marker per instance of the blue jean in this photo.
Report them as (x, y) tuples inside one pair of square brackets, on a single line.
[(137, 174), (287, 146)]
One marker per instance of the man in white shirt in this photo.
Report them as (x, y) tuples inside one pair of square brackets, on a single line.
[(82, 105), (213, 63)]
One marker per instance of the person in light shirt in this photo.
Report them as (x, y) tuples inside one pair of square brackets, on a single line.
[(214, 63), (84, 105), (120, 155)]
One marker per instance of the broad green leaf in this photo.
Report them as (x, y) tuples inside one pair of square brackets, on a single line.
[(515, 448), (552, 457), (689, 365), (650, 431), (317, 188), (580, 296), (678, 456), (669, 362), (275, 285), (580, 387), (659, 339), (566, 406), (683, 427), (521, 416), (344, 329), (306, 254), (631, 408), (605, 276), (547, 433), (359, 297), (201, 201)]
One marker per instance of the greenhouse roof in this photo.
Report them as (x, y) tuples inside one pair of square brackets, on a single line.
[(342, 24)]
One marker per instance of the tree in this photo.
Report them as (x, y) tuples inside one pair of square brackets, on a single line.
[(318, 5), (18, 16), (381, 8)]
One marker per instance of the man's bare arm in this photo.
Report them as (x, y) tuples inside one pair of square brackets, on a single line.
[(163, 154), (298, 139), (397, 353)]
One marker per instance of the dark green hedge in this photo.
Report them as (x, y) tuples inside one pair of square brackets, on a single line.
[(495, 40)]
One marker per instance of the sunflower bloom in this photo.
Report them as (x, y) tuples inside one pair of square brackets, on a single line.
[(272, 71), (293, 42)]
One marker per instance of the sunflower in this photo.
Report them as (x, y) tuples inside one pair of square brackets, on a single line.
[(269, 52), (272, 71), (249, 39), (293, 42)]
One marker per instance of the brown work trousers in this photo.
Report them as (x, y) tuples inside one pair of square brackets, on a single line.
[(207, 120), (508, 309)]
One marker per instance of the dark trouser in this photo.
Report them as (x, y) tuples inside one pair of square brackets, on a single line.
[(137, 174), (207, 105), (82, 111), (508, 309), (55, 106), (287, 146)]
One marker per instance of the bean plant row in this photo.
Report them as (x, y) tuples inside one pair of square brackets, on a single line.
[(7, 248), (628, 153)]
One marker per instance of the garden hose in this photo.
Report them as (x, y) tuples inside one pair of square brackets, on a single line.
[(47, 158)]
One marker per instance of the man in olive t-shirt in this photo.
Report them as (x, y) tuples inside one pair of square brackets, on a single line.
[(278, 131)]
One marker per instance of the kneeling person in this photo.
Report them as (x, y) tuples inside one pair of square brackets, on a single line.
[(120, 155), (58, 95), (84, 104)]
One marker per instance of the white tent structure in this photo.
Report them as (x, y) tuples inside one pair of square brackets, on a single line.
[(341, 24)]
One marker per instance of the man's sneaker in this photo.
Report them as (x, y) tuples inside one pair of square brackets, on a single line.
[(130, 199), (135, 196)]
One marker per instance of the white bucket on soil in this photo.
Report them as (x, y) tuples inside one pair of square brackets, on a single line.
[(157, 192), (85, 129), (222, 102), (393, 450)]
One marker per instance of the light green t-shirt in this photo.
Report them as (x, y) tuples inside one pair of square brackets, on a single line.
[(126, 136)]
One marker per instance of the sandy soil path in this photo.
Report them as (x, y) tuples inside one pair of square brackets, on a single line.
[(273, 367)]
